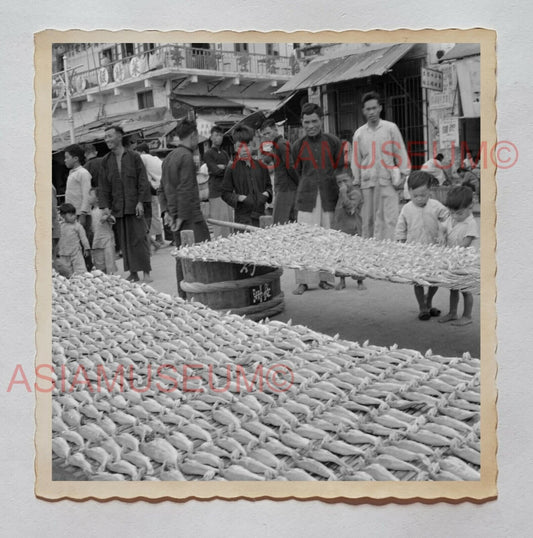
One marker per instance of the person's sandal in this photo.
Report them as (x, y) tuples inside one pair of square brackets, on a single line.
[(325, 285), (434, 312), (301, 289), (424, 316)]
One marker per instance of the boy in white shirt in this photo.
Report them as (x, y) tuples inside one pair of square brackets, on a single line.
[(419, 223), (78, 182), (460, 230)]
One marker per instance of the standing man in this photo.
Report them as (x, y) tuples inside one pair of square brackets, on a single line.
[(178, 194), (285, 177), (216, 160), (93, 164), (153, 166), (122, 192), (318, 159), (380, 165)]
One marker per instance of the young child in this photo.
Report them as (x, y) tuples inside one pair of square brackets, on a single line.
[(460, 230), (469, 179), (103, 247), (69, 249), (419, 223), (347, 217)]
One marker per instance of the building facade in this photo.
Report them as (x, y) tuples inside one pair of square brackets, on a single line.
[(149, 82)]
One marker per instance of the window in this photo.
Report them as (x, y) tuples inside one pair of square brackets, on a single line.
[(272, 49), (107, 55), (126, 49), (147, 47), (241, 47), (145, 99), (59, 63)]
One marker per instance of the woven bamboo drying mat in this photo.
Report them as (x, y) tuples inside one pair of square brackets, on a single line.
[(328, 409), (299, 246)]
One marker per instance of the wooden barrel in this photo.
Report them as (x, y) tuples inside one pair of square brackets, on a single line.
[(242, 289)]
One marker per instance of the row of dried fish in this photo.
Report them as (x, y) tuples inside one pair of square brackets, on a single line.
[(300, 246), (350, 411)]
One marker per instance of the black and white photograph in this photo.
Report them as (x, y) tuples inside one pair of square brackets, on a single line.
[(266, 265)]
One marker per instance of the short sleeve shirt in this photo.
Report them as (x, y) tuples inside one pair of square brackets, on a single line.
[(457, 231)]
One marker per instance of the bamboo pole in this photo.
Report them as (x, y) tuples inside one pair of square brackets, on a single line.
[(236, 225)]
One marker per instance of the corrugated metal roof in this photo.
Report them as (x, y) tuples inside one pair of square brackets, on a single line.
[(461, 50), (352, 66)]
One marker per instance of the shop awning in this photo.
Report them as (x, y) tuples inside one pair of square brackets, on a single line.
[(206, 101), (462, 50), (281, 104), (353, 66), (257, 104), (89, 134), (254, 121)]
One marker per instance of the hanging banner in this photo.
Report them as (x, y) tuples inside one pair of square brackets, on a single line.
[(468, 74), (432, 79), (449, 131)]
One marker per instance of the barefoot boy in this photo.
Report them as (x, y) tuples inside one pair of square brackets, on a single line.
[(460, 231), (73, 238)]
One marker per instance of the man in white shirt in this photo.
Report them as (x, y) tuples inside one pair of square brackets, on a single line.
[(153, 167), (436, 169), (380, 165)]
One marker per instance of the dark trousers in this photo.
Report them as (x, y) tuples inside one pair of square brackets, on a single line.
[(284, 207), (148, 214), (89, 233), (134, 243)]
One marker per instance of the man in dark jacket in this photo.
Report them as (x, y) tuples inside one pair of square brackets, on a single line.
[(93, 163), (178, 194), (318, 159), (246, 186), (285, 177), (122, 191), (216, 160)]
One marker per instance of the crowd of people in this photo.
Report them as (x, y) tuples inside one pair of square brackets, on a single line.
[(356, 185)]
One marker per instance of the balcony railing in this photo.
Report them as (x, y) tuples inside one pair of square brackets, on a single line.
[(176, 57)]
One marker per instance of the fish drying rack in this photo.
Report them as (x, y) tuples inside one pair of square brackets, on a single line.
[(300, 246), (332, 410)]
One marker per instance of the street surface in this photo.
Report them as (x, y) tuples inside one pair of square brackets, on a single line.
[(384, 314)]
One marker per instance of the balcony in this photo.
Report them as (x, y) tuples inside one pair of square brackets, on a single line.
[(167, 61)]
